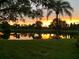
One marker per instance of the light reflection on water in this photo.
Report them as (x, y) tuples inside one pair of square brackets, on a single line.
[(27, 36), (44, 36), (21, 37)]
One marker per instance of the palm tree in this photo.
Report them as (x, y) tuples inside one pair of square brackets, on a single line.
[(38, 14), (45, 4), (62, 7), (59, 7)]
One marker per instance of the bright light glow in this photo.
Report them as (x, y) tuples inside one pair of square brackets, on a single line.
[(45, 22), (11, 23), (45, 36), (61, 36)]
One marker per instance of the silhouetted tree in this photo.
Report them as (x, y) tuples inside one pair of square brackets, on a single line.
[(18, 8), (38, 25), (6, 30), (48, 5), (62, 7)]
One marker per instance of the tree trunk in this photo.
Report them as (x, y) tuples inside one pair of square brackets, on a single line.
[(57, 14), (57, 20)]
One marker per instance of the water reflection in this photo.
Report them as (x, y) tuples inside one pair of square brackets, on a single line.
[(45, 36), (20, 36), (32, 36)]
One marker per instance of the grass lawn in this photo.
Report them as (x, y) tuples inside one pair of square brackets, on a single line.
[(38, 49)]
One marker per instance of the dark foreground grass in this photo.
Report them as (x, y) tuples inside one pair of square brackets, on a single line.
[(38, 49)]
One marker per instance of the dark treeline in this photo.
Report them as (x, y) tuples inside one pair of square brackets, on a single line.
[(61, 28), (38, 26), (53, 26)]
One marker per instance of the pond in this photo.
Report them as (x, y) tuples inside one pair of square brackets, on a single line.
[(32, 36)]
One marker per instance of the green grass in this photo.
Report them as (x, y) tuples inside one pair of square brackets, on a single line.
[(39, 49)]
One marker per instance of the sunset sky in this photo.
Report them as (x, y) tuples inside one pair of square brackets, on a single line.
[(75, 18), (75, 5)]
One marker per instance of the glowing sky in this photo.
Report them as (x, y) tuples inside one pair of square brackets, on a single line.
[(75, 5), (75, 18)]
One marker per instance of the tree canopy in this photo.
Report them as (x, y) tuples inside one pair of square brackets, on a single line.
[(11, 9)]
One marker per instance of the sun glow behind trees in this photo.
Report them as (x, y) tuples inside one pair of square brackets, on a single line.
[(45, 22)]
